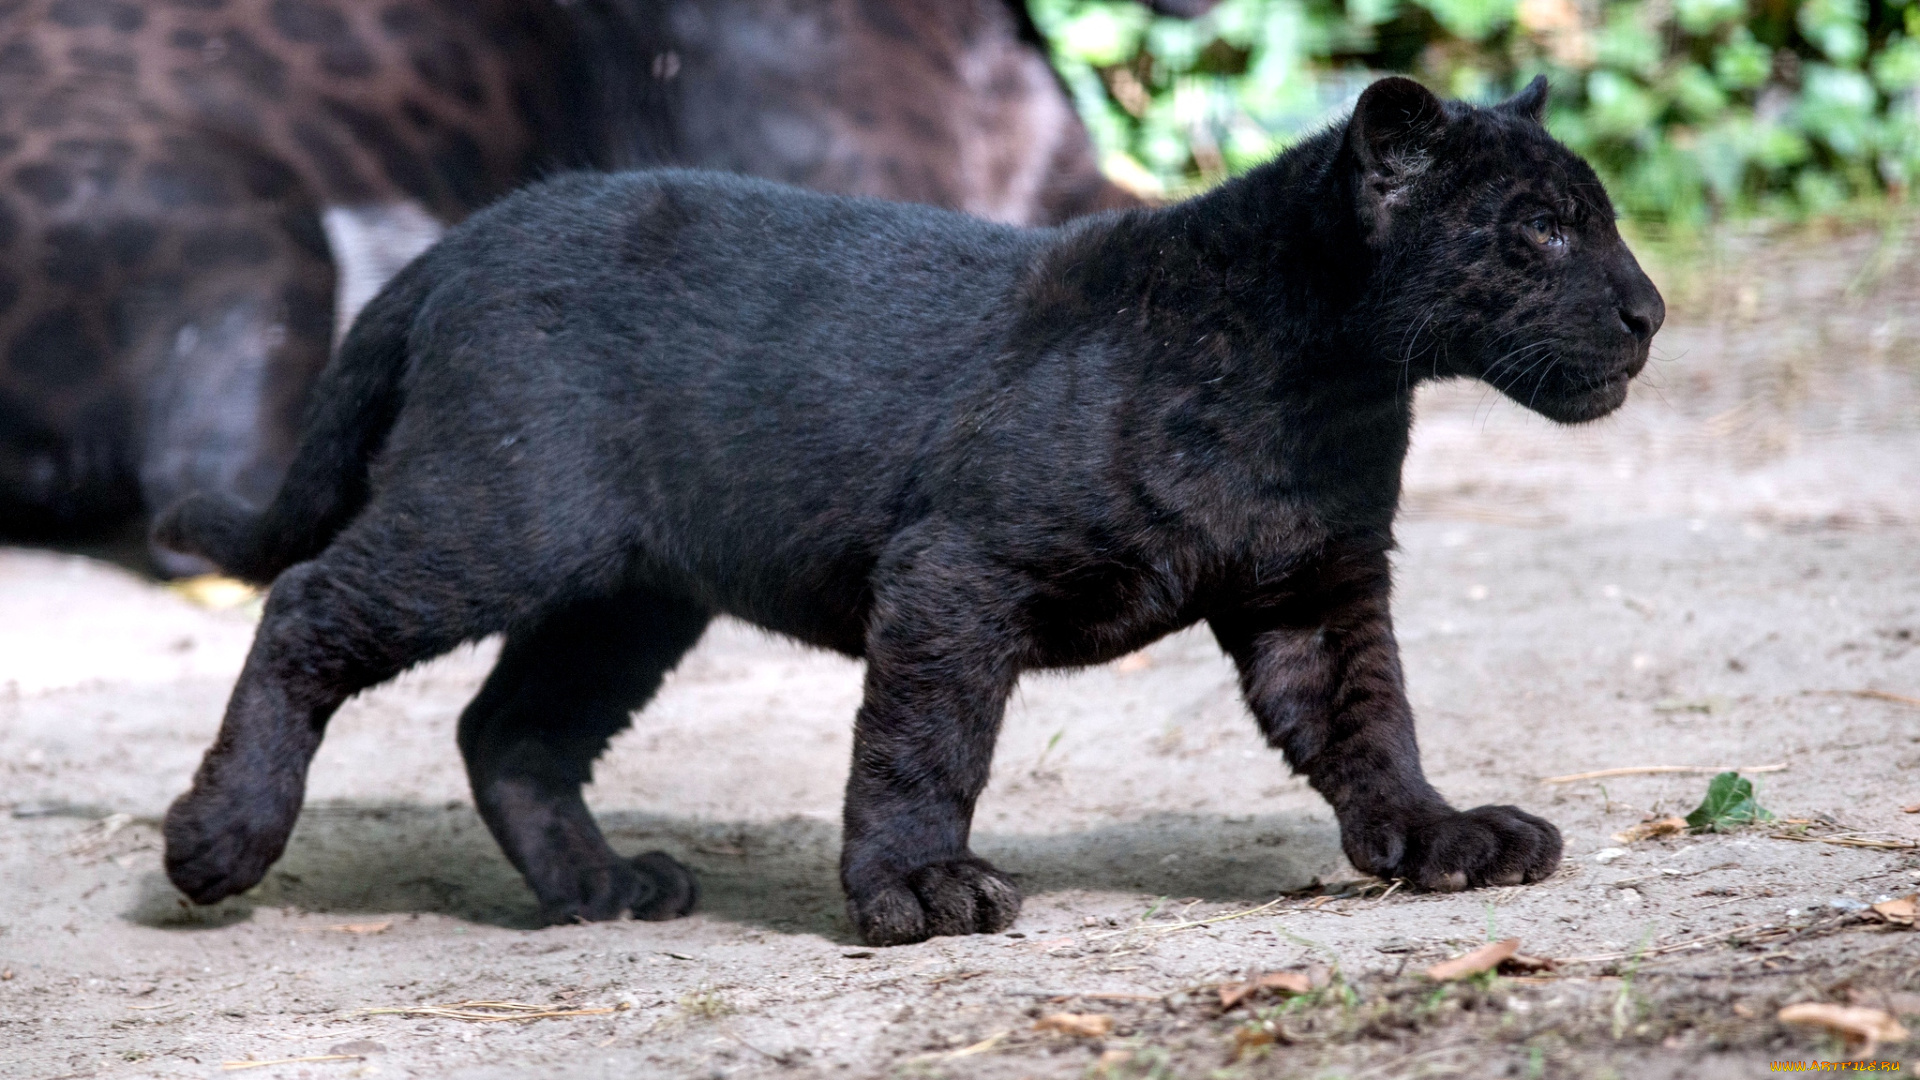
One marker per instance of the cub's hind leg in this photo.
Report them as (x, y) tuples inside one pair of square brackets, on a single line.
[(333, 626), (559, 692)]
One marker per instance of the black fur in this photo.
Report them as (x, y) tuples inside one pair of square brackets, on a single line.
[(610, 407)]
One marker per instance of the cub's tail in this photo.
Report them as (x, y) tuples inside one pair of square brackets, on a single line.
[(352, 406)]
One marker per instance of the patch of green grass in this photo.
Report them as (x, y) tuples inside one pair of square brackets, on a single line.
[(705, 1005)]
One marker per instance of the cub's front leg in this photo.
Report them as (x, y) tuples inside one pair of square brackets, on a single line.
[(940, 663), (1321, 671)]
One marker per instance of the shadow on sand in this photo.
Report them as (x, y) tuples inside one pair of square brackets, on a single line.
[(782, 875)]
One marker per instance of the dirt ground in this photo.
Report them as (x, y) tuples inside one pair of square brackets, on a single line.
[(1704, 579)]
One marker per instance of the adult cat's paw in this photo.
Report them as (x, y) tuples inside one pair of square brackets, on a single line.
[(962, 896), (654, 887), (1488, 845), (219, 845)]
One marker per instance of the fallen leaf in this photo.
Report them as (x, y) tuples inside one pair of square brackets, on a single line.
[(1647, 830), (213, 591), (1082, 1025), (1729, 804), (1899, 912), (1522, 964), (1246, 1038), (1860, 1026), (1484, 958), (1285, 982), (363, 927), (1897, 1002)]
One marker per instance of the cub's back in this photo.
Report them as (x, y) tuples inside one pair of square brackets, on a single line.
[(696, 363)]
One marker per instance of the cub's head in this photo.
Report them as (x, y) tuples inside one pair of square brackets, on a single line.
[(1496, 252)]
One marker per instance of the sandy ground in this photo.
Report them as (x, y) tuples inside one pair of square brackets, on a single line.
[(1701, 580)]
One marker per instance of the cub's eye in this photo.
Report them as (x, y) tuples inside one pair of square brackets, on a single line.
[(1543, 230)]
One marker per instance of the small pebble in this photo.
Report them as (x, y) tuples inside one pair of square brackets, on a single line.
[(1607, 855)]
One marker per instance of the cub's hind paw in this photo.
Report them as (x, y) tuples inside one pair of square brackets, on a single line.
[(673, 889), (1488, 845), (654, 887), (944, 899)]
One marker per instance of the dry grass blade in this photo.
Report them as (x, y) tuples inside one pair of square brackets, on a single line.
[(1878, 695), (1852, 840), (1863, 1028), (95, 836), (981, 1047), (485, 1012), (1647, 830), (362, 927), (1190, 924), (1651, 770), (1484, 958), (1079, 1025), (1678, 946), (312, 1059)]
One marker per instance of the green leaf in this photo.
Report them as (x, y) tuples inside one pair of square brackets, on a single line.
[(1696, 93), (1619, 106), (1742, 63), (1102, 34), (1630, 42), (1836, 27), (1471, 20), (1728, 805), (1897, 67), (1700, 17)]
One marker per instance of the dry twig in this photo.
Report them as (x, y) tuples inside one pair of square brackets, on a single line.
[(1852, 840), (1875, 695), (981, 1047), (486, 1012), (311, 1059), (1649, 770)]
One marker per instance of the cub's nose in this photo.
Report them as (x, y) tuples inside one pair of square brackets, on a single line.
[(1638, 302), (1643, 320)]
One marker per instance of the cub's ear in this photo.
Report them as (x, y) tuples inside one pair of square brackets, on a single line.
[(1391, 133), (1530, 103)]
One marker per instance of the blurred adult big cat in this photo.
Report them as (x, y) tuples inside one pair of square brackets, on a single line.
[(611, 407), (198, 196)]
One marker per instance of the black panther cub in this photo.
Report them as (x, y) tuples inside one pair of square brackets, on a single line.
[(611, 407)]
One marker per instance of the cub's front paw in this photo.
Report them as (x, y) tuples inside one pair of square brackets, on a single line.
[(1454, 850), (962, 896), (218, 846)]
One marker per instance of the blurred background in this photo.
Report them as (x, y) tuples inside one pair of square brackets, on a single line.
[(1692, 110)]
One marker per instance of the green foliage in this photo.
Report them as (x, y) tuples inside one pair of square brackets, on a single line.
[(1690, 109), (1729, 805)]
